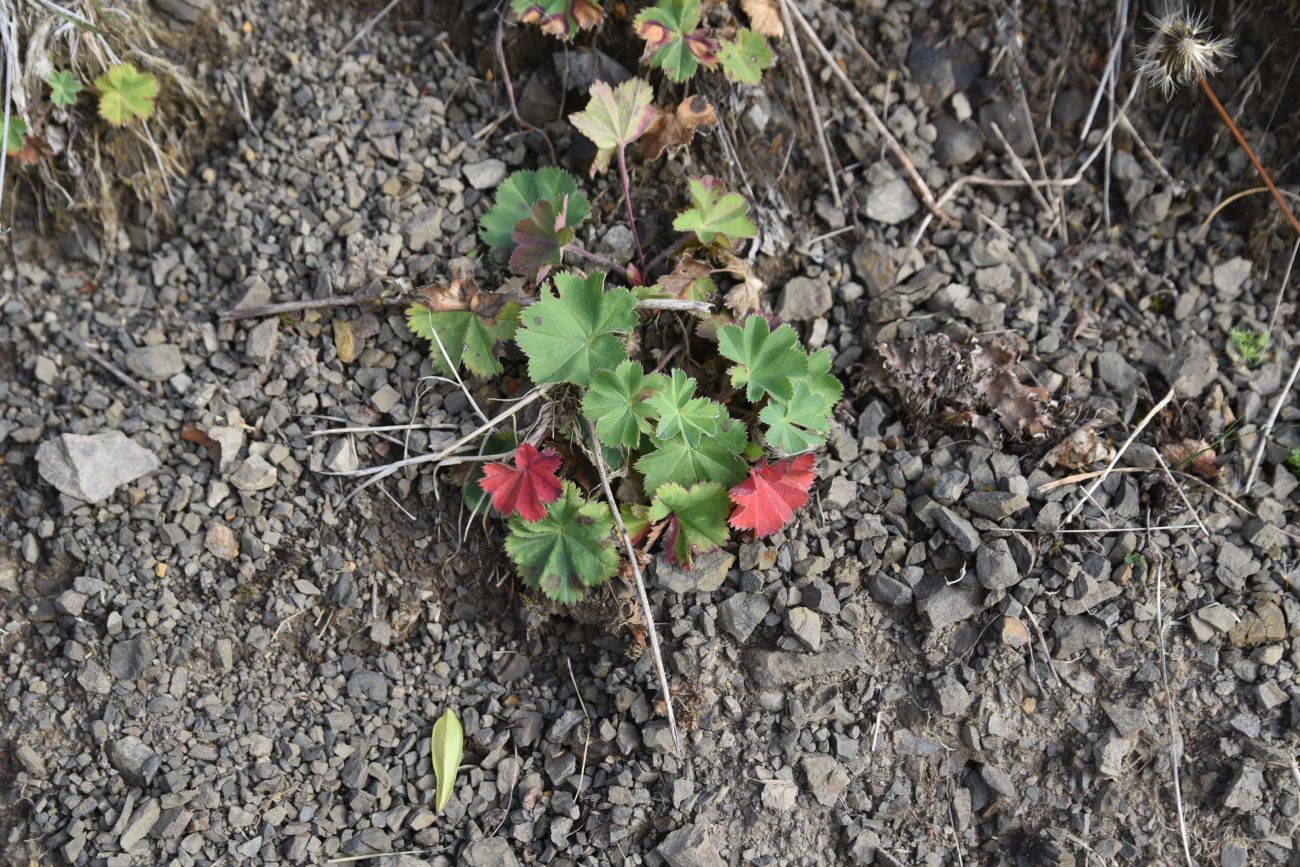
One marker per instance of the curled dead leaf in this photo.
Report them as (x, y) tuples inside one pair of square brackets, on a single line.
[(1193, 456), (764, 17), (462, 293), (1080, 449), (671, 129), (688, 280), (745, 297)]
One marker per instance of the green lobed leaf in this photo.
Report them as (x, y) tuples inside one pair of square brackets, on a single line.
[(802, 422), (470, 340), (572, 331), (766, 361), (744, 59), (64, 87), (567, 551), (681, 414), (540, 238), (671, 32), (514, 201), (715, 459), (446, 748), (615, 117), (698, 518), (715, 213), (125, 93), (13, 134), (616, 403)]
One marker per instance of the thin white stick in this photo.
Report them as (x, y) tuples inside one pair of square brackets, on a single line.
[(1182, 494), (1092, 489), (378, 428), (1281, 293), (1103, 531), (1042, 641), (674, 304), (1175, 736), (368, 26), (1111, 63), (1272, 419), (454, 372), (812, 104), (641, 595)]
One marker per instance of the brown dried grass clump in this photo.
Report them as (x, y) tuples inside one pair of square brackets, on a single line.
[(74, 162)]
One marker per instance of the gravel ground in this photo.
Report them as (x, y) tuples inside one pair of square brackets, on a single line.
[(212, 656)]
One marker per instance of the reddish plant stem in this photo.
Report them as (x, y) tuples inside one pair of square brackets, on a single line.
[(631, 218), (510, 92), (1250, 152)]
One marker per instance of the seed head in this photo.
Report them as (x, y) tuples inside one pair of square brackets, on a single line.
[(1181, 50)]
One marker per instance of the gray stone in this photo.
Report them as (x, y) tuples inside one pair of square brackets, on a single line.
[(951, 603), (1190, 369), (888, 590), (1111, 751), (488, 852), (954, 699), (91, 468), (342, 457), (368, 684), (254, 474), (739, 614), (368, 841), (94, 679), (1117, 373), (998, 781), (780, 795), (805, 298), (826, 778), (1229, 276), (772, 669), (31, 761), (1232, 855), (184, 11), (705, 574), (995, 505), (891, 202), (691, 846), (485, 175), (156, 363), (129, 658), (1245, 792), (940, 66), (842, 492), (995, 568), (1218, 616), (961, 531), (956, 143), (1077, 633), (385, 398), (142, 821), (262, 340), (805, 625), (1009, 119), (949, 487)]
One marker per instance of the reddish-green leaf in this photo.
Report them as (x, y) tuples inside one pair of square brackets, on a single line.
[(697, 518), (525, 488), (767, 500), (540, 238), (615, 117)]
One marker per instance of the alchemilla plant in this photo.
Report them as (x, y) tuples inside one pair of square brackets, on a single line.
[(701, 443)]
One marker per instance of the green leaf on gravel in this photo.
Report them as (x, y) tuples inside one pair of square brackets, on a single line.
[(13, 134), (745, 59), (514, 201), (573, 330), (617, 404), (125, 93), (676, 45), (447, 747), (715, 213), (64, 88), (698, 518), (681, 414), (470, 340), (766, 361), (715, 459), (567, 551), (615, 117), (802, 422)]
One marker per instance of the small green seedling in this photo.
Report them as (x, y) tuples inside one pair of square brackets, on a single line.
[(13, 134), (64, 88), (1293, 460), (446, 748), (126, 93), (1250, 344)]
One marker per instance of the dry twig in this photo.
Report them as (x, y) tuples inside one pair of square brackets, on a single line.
[(812, 105)]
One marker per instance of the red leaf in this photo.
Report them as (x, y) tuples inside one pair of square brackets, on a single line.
[(525, 488), (766, 501)]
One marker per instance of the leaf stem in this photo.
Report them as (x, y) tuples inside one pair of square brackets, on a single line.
[(603, 261), (627, 200), (1250, 152), (677, 247)]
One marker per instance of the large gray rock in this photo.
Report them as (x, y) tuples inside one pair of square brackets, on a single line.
[(805, 298), (156, 363), (91, 468), (691, 846), (772, 669), (892, 202), (489, 852)]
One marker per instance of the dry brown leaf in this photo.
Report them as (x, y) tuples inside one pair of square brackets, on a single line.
[(764, 17), (745, 297), (192, 434), (462, 293), (345, 343), (1192, 456), (1080, 449), (671, 129), (679, 282)]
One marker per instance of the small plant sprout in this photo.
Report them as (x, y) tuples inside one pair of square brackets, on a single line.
[(13, 134), (64, 88), (126, 93), (1181, 51), (1250, 345), (1293, 460)]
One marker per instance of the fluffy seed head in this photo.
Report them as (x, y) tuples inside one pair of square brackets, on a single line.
[(1181, 50)]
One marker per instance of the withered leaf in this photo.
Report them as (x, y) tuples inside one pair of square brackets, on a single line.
[(676, 128), (192, 434), (345, 343), (1194, 456), (764, 17), (689, 280), (745, 297), (1080, 449)]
